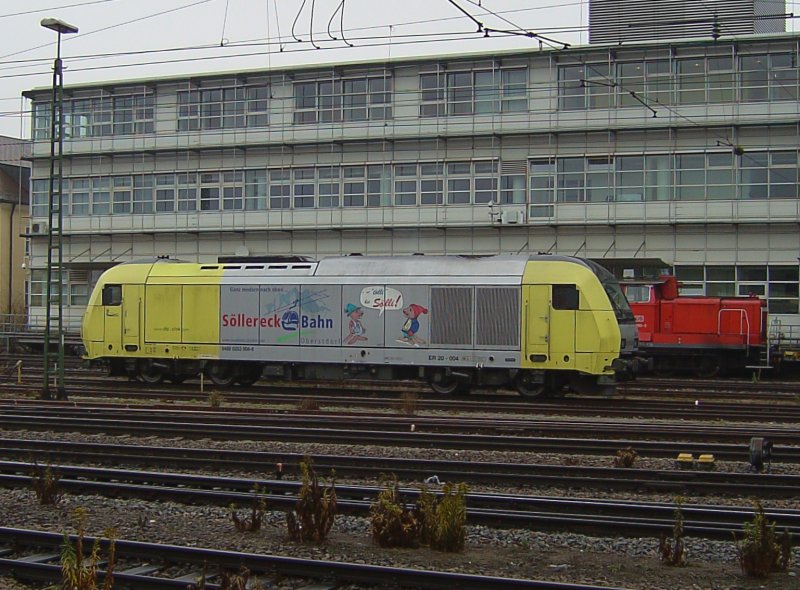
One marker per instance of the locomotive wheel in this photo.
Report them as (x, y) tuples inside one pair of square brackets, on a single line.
[(249, 375), (221, 373), (150, 374), (528, 388), (709, 367), (448, 385)]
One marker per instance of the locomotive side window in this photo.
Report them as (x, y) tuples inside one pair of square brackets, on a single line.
[(112, 295), (565, 297)]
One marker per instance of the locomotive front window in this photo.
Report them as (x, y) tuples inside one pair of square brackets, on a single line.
[(112, 295), (638, 293)]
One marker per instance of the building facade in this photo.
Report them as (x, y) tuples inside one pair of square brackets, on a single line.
[(14, 182), (684, 151)]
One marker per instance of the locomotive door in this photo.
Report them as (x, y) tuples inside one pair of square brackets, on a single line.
[(565, 304), (112, 317), (537, 322), (131, 304)]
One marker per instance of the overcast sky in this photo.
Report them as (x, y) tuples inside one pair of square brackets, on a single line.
[(124, 39)]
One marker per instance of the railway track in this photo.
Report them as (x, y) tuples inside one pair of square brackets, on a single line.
[(519, 475), (394, 403), (238, 424), (95, 382), (587, 516), (34, 555), (654, 440)]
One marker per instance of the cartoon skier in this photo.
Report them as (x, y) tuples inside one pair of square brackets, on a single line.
[(411, 325), (357, 329)]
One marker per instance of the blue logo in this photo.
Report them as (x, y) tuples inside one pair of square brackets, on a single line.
[(290, 321)]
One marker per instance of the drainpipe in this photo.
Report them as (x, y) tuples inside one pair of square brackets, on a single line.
[(13, 204)]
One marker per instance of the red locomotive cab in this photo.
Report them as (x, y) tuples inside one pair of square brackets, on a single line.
[(699, 334)]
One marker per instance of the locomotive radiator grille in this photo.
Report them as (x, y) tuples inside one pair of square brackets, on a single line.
[(451, 316), (497, 317)]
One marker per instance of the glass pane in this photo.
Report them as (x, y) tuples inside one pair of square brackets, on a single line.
[(720, 273), (751, 273), (689, 273), (783, 273)]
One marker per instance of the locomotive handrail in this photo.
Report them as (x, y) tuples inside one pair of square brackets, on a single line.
[(742, 314)]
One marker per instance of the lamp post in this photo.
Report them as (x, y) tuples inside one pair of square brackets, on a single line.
[(55, 212)]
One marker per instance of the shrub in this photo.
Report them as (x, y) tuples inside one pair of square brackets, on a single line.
[(45, 485), (761, 551), (215, 399), (79, 572), (442, 521), (315, 510), (674, 553), (308, 404), (240, 580), (392, 524), (408, 403), (252, 523), (625, 458)]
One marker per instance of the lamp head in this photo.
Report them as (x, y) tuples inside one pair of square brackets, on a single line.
[(58, 26)]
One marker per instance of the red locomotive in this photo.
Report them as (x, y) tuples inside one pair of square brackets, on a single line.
[(704, 336)]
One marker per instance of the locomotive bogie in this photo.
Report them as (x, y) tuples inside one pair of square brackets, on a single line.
[(455, 322)]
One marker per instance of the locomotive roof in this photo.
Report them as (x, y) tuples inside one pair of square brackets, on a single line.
[(422, 265)]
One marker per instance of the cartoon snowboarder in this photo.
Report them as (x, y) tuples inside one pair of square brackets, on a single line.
[(411, 325), (357, 329)]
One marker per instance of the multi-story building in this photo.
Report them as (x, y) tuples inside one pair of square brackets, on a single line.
[(683, 151), (14, 182)]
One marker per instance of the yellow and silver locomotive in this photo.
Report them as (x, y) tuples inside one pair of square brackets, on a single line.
[(542, 324)]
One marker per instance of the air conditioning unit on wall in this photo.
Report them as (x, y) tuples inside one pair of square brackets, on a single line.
[(39, 228), (512, 217)]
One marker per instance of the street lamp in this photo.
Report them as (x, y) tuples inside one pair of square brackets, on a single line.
[(55, 213)]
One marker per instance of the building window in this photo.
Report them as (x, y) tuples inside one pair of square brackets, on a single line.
[(586, 86), (40, 197), (280, 189), (473, 92), (304, 188), (99, 116), (329, 187), (121, 195), (459, 183), (226, 107), (769, 77), (165, 193), (209, 191), (364, 98), (187, 192), (650, 82), (143, 194), (379, 185), (431, 186), (101, 196), (232, 190), (255, 190), (770, 175), (778, 284), (354, 186), (78, 197)]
